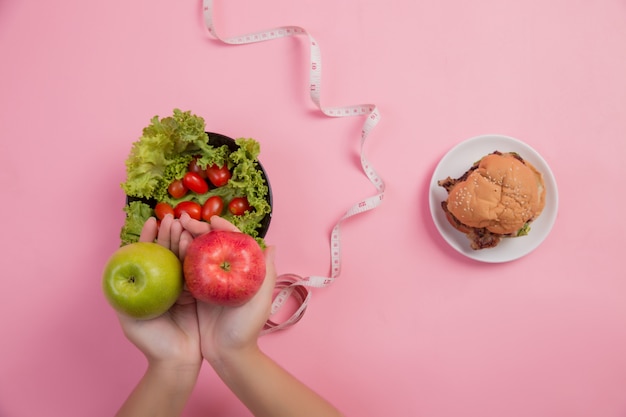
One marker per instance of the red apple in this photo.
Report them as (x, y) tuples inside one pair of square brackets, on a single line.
[(224, 268)]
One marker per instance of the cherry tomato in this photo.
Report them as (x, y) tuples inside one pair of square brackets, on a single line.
[(238, 205), (218, 176), (177, 189), (212, 207), (190, 207), (162, 209), (195, 183), (193, 167)]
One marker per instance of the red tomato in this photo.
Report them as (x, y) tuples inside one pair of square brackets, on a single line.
[(177, 189), (212, 207), (218, 176), (193, 167), (162, 209), (239, 205), (190, 207), (195, 183)]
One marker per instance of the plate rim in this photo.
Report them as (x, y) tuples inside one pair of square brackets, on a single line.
[(509, 249)]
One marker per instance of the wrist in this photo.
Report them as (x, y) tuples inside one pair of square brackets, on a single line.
[(176, 373), (162, 391), (225, 361)]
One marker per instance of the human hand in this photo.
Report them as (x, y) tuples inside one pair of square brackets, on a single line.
[(170, 342), (228, 339), (173, 337), (228, 330)]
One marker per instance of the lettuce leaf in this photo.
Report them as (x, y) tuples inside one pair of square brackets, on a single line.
[(137, 212), (160, 154), (524, 230)]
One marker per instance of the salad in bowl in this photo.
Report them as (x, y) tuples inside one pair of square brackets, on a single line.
[(177, 167)]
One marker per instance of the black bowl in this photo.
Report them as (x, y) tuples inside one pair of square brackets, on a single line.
[(217, 140)]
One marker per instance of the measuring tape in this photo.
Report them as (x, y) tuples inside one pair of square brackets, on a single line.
[(292, 285)]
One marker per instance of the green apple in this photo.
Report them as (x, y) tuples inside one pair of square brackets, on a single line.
[(142, 280)]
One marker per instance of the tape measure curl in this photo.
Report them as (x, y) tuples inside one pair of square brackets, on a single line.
[(292, 285)]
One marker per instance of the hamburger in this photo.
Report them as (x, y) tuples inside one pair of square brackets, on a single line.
[(497, 197)]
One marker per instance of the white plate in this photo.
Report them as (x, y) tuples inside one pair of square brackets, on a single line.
[(458, 160)]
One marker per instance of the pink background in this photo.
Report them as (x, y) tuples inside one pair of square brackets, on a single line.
[(411, 328)]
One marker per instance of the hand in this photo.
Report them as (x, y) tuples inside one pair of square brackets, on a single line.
[(173, 337), (225, 330), (225, 336), (171, 342), (228, 339)]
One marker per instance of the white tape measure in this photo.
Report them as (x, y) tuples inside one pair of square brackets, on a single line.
[(291, 285)]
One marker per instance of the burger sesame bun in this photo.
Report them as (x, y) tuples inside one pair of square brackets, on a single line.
[(501, 194)]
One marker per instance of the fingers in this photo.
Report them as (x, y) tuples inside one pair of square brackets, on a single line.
[(220, 223), (163, 237), (149, 230), (270, 267), (185, 240), (270, 271), (167, 234), (194, 227), (175, 234)]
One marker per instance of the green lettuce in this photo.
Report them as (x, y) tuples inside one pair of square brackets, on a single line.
[(524, 230), (162, 155), (137, 212)]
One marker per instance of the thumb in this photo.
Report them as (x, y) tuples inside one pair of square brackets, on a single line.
[(267, 288), (149, 230)]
